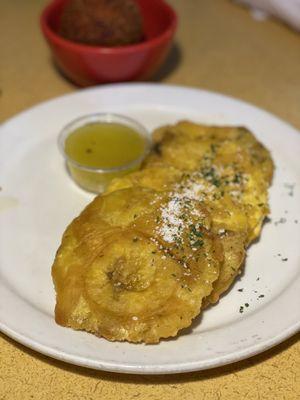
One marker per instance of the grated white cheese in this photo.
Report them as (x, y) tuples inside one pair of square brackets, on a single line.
[(171, 220)]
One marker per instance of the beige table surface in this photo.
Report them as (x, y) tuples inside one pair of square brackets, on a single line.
[(218, 47)]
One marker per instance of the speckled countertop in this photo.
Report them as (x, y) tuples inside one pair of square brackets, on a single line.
[(218, 47)]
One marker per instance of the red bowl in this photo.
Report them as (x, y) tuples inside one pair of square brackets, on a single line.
[(88, 65)]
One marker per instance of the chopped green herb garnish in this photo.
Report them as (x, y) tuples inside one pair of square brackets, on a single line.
[(216, 182), (210, 175), (198, 243), (237, 178), (195, 232)]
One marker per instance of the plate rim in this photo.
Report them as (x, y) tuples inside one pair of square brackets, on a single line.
[(127, 85), (166, 369)]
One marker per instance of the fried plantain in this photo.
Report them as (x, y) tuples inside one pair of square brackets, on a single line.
[(228, 157), (228, 218), (119, 276)]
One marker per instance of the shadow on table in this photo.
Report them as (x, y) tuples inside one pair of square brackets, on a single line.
[(171, 64), (161, 379)]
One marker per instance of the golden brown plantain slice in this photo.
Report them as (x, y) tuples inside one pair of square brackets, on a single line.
[(229, 219), (118, 276), (228, 157), (234, 255)]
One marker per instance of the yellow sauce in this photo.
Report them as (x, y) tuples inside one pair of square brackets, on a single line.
[(102, 145)]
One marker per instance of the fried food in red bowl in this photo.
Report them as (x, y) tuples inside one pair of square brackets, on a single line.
[(102, 22), (89, 64)]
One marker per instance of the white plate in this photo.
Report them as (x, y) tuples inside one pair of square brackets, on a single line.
[(38, 200)]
